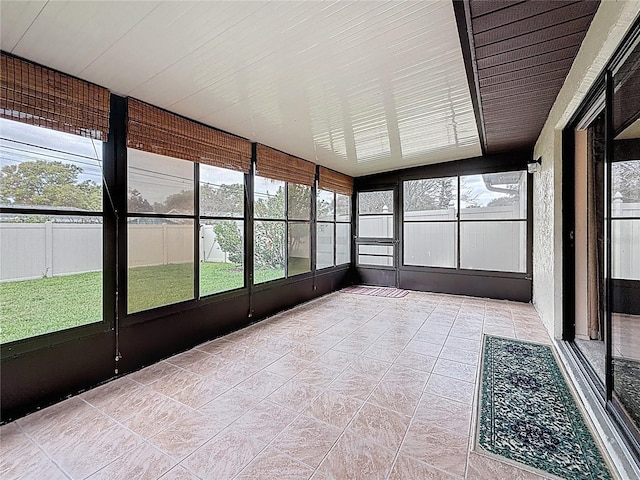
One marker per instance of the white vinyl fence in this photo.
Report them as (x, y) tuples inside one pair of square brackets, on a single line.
[(625, 245), (36, 250), (491, 245)]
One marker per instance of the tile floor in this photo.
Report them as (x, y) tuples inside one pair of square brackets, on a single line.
[(344, 387)]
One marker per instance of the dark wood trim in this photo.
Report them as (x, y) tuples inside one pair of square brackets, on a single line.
[(499, 162), (461, 9), (608, 158), (568, 234), (475, 285)]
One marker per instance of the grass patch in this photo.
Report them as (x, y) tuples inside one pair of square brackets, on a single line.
[(34, 307), (220, 277), (261, 276), (158, 285)]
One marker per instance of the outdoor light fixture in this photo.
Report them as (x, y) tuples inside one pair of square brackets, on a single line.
[(533, 166)]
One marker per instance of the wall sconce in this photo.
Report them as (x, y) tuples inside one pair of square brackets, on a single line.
[(533, 166)]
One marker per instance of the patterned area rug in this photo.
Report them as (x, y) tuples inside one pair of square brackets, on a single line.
[(375, 291), (527, 413), (626, 381)]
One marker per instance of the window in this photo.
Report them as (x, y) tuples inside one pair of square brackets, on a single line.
[(333, 229), (625, 219), (343, 229), (493, 222), (269, 229), (333, 214), (51, 231), (160, 230), (375, 214), (325, 214), (221, 230), (282, 211), (488, 233), (430, 222), (51, 188), (165, 153), (282, 236), (299, 229)]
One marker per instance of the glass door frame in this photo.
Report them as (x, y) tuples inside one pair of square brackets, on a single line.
[(387, 274), (602, 89)]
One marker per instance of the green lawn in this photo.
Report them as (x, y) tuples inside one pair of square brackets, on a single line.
[(34, 307)]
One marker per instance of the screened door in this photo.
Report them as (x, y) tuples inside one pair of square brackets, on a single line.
[(376, 241)]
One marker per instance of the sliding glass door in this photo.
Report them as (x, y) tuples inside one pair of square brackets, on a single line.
[(603, 318), (624, 225)]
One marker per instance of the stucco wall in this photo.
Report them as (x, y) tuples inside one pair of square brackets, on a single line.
[(611, 22)]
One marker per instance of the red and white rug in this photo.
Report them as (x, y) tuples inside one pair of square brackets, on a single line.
[(375, 291)]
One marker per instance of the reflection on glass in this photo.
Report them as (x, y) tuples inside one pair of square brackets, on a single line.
[(343, 208), (589, 271), (376, 226), (221, 192), (430, 198), (160, 262), (221, 256), (268, 250), (64, 172), (299, 252), (50, 274), (375, 214), (497, 246), (430, 244), (268, 198), (343, 243), (493, 196), (299, 199), (625, 220), (375, 202), (159, 184), (325, 208), (625, 236), (324, 249), (380, 255)]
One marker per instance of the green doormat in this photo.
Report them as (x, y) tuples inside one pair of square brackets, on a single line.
[(527, 413)]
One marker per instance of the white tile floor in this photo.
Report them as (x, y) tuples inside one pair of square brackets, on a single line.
[(344, 387)]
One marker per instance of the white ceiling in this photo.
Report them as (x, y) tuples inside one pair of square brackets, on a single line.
[(358, 87)]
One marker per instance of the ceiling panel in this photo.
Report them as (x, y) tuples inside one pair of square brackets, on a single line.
[(576, 27), (78, 32), (361, 87), (20, 16), (523, 51)]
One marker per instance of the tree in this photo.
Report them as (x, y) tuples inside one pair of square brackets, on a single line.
[(299, 199), (223, 200), (429, 194), (229, 239), (626, 180), (269, 236), (181, 203), (505, 201), (269, 247), (375, 202), (45, 183), (137, 203)]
